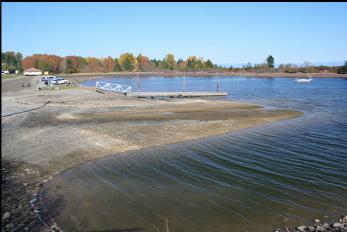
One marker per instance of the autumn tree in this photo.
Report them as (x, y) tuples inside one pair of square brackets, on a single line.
[(170, 62), (139, 64), (94, 65), (127, 61), (191, 62), (70, 64), (108, 64), (28, 62), (51, 63), (181, 64)]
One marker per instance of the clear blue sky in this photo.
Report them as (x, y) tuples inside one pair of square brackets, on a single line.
[(223, 32)]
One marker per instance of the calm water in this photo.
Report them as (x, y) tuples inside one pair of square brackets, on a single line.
[(281, 174)]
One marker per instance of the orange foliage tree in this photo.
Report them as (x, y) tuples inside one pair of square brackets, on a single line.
[(108, 64)]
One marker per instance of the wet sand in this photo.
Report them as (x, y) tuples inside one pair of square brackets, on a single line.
[(77, 125)]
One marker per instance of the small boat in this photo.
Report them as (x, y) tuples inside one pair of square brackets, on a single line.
[(303, 80)]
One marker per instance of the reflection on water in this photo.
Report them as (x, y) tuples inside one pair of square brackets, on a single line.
[(254, 180)]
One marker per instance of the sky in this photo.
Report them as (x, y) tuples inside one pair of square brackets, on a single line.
[(223, 32)]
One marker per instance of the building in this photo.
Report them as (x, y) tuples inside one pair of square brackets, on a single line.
[(32, 72)]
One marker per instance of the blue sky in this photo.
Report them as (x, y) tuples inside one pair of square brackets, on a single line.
[(223, 32)]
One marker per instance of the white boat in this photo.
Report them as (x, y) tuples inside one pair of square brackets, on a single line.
[(304, 79)]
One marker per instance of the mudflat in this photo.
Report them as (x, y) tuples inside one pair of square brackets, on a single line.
[(46, 132)]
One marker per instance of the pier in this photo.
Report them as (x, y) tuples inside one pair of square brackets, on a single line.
[(126, 90)]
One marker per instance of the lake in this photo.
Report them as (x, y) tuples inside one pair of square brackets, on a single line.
[(281, 174)]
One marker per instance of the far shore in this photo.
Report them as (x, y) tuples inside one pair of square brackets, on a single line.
[(87, 76), (204, 74)]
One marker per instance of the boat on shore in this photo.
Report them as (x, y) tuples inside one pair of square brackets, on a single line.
[(304, 80)]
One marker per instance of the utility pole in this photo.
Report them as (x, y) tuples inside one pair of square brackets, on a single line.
[(138, 82), (217, 82), (184, 82)]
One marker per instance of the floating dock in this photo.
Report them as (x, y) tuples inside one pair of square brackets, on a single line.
[(176, 94)]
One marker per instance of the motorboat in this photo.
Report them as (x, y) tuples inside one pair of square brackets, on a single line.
[(304, 80)]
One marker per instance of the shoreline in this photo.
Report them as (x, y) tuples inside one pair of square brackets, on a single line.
[(207, 74)]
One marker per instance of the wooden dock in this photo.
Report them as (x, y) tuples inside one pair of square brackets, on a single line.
[(177, 94)]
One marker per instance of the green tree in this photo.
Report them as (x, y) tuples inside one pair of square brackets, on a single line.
[(127, 61), (342, 69), (44, 65), (4, 66), (117, 67), (19, 59), (69, 66), (248, 66), (10, 58), (270, 61), (81, 63), (208, 64)]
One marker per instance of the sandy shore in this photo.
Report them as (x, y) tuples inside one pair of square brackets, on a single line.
[(40, 140)]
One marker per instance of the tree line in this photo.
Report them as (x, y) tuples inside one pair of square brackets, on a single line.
[(128, 62)]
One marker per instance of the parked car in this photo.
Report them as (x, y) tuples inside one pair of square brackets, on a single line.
[(59, 81), (47, 79)]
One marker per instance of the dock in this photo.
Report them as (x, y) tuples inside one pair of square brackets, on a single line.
[(177, 94), (104, 87)]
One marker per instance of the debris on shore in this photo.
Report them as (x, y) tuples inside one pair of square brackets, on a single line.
[(339, 226)]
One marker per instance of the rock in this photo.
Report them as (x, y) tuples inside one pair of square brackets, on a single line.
[(319, 229), (311, 228), (301, 228), (36, 211), (317, 221), (38, 184), (337, 225), (25, 184), (6, 216), (9, 226), (326, 225)]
